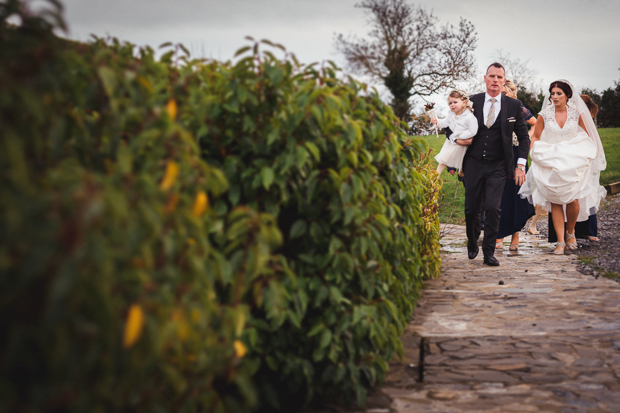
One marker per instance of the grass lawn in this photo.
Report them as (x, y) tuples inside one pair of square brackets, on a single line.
[(452, 200), (611, 143), (453, 194)]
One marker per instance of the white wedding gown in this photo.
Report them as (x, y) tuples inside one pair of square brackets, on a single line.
[(561, 169)]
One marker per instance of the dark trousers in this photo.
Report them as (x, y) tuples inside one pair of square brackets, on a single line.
[(484, 185)]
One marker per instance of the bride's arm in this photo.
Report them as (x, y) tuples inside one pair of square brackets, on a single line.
[(538, 129)]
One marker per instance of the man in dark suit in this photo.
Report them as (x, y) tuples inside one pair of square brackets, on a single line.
[(489, 161)]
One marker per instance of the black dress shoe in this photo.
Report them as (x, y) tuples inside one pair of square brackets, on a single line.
[(472, 252), (491, 261)]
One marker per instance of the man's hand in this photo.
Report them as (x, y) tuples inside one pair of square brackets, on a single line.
[(519, 177), (464, 142)]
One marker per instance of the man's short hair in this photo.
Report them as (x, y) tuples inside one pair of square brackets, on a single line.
[(497, 65)]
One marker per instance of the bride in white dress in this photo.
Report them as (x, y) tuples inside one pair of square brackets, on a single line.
[(567, 159)]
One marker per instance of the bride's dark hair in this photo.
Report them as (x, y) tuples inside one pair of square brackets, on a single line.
[(565, 88)]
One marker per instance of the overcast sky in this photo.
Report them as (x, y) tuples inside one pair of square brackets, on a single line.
[(578, 40)]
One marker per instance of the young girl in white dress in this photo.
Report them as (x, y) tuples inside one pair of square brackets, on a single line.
[(463, 125)]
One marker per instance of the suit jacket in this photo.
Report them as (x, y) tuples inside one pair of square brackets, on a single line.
[(511, 109)]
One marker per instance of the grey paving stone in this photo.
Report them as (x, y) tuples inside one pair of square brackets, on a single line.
[(494, 377), (548, 340)]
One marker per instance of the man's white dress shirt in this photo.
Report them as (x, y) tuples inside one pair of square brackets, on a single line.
[(498, 108)]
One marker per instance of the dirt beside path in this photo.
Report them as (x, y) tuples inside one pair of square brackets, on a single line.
[(602, 257)]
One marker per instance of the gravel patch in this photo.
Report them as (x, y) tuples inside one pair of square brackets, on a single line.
[(602, 257)]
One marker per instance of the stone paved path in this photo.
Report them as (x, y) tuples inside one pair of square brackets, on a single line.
[(532, 335)]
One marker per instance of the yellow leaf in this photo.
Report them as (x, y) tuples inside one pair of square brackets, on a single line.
[(200, 204), (240, 349), (138, 262), (176, 315), (144, 82), (183, 330), (240, 320), (171, 108), (134, 325), (172, 203), (172, 171), (182, 327), (196, 315)]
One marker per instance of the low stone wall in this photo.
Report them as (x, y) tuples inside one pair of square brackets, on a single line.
[(613, 189)]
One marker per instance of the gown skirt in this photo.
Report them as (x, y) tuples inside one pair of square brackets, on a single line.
[(516, 211), (561, 173)]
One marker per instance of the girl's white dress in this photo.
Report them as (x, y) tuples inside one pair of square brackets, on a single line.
[(561, 169), (463, 126)]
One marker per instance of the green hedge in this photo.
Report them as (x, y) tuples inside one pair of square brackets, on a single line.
[(111, 259), (206, 236), (329, 161)]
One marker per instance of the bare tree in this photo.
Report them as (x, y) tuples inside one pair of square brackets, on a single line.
[(409, 52), (518, 71), (526, 79)]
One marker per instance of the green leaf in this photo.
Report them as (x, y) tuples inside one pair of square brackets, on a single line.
[(301, 155), (242, 50), (345, 192), (314, 150), (167, 57), (298, 229), (234, 194), (326, 338), (316, 329), (335, 293), (275, 74), (267, 176), (108, 80), (125, 159), (348, 214), (273, 136), (187, 53)]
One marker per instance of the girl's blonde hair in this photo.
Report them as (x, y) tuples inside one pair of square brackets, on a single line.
[(460, 94), (511, 89)]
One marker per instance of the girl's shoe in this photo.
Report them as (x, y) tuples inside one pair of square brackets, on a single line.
[(593, 238), (499, 245), (571, 245), (559, 251), (513, 247), (533, 231)]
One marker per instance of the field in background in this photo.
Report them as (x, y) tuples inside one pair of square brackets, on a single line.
[(611, 143), (451, 201), (453, 194)]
